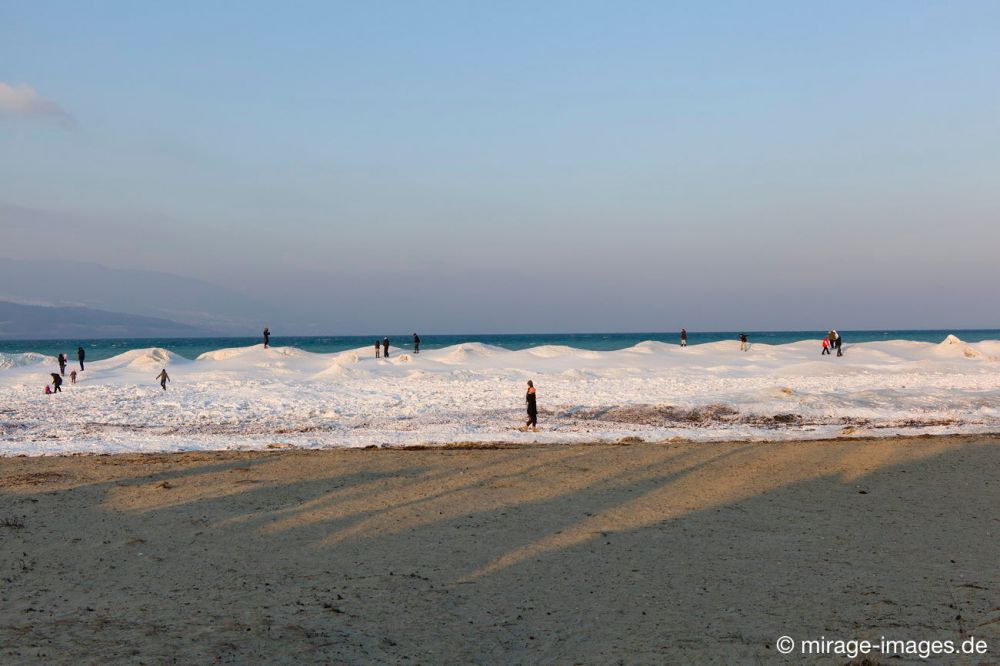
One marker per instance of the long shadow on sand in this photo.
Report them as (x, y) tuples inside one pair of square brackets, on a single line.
[(644, 554)]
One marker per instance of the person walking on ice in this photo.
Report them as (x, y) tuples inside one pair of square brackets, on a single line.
[(529, 398), (416, 343), (267, 337), (744, 342), (378, 349), (826, 347), (56, 382), (385, 347), (80, 355), (72, 377), (62, 364), (164, 378)]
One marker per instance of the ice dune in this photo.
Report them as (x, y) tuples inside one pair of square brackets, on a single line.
[(253, 397)]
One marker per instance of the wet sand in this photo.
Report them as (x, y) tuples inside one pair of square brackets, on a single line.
[(643, 553)]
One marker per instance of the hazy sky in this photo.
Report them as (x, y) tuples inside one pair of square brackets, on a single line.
[(507, 166)]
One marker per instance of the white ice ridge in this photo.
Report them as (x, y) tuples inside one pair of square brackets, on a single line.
[(251, 398)]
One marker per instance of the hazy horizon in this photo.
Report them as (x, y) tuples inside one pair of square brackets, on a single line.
[(555, 168)]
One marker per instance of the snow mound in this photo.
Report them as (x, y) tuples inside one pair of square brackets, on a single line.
[(952, 346), (144, 359), (551, 351), (648, 347), (347, 358), (257, 351), (468, 351), (226, 354), (22, 360), (341, 371)]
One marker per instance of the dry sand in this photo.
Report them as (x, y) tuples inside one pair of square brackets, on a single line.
[(649, 553)]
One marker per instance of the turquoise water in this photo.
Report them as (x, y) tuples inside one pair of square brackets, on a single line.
[(192, 347)]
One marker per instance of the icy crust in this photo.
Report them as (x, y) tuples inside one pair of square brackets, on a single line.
[(253, 397)]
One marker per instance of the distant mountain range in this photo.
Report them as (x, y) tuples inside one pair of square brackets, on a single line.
[(170, 299), (23, 322)]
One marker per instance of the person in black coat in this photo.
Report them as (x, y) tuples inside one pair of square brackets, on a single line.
[(267, 337), (416, 343), (80, 355), (532, 403), (684, 337), (385, 347), (56, 382), (62, 364)]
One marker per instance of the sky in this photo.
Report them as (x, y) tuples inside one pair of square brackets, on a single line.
[(518, 166)]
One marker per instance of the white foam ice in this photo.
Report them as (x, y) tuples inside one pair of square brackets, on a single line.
[(254, 397)]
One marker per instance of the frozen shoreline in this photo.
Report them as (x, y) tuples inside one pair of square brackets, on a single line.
[(252, 398)]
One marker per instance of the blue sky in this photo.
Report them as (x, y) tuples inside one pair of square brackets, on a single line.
[(519, 166)]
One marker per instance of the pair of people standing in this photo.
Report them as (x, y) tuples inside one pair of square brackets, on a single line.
[(833, 341), (64, 361)]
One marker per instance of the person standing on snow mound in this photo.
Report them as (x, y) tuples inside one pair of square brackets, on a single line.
[(80, 355), (164, 378), (62, 364), (378, 349), (744, 342), (267, 337), (826, 347), (837, 342), (532, 404), (416, 343), (385, 347), (684, 337), (56, 382)]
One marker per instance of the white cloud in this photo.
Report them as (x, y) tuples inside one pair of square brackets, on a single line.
[(23, 101)]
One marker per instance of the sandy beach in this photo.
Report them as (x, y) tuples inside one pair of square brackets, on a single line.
[(644, 553)]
